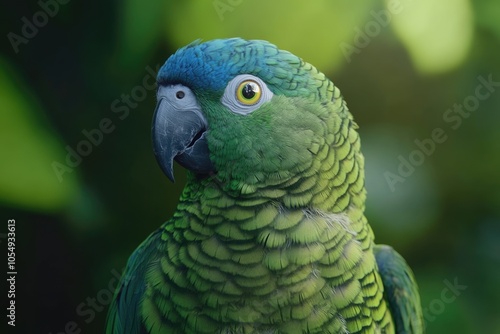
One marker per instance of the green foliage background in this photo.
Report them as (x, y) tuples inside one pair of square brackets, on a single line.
[(401, 65)]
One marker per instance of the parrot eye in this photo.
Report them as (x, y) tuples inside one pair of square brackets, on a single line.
[(248, 92), (245, 93)]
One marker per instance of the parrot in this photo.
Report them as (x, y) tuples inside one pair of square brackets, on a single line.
[(269, 234)]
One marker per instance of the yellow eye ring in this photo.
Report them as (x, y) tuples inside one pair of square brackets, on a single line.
[(248, 92)]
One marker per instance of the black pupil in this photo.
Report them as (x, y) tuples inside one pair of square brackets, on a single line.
[(248, 91), (180, 94)]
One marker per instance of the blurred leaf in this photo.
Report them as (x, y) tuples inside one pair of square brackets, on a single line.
[(437, 34), (487, 14), (28, 147), (313, 31), (444, 310), (402, 210), (139, 31)]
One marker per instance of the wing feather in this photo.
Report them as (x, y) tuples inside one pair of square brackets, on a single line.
[(400, 290), (124, 314)]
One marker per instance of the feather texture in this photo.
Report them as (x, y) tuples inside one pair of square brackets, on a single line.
[(275, 240)]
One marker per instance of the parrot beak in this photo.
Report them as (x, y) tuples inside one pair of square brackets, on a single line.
[(179, 132)]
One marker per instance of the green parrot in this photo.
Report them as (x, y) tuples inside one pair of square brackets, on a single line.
[(269, 235)]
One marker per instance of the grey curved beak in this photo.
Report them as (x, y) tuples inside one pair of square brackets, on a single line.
[(180, 134)]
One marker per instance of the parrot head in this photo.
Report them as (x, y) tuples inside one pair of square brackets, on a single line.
[(245, 112)]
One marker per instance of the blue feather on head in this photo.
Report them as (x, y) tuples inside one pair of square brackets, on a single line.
[(211, 65)]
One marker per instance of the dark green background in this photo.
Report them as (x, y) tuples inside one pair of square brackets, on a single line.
[(75, 234)]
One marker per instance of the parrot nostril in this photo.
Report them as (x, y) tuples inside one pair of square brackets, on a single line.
[(180, 94)]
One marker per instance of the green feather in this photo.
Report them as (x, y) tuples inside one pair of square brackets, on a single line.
[(275, 241), (400, 290)]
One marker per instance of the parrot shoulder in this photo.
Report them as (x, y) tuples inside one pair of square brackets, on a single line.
[(124, 314), (400, 290)]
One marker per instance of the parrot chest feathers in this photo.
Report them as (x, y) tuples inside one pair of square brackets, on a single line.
[(271, 269)]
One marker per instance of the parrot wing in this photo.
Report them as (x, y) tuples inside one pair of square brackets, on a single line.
[(124, 314), (400, 290)]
